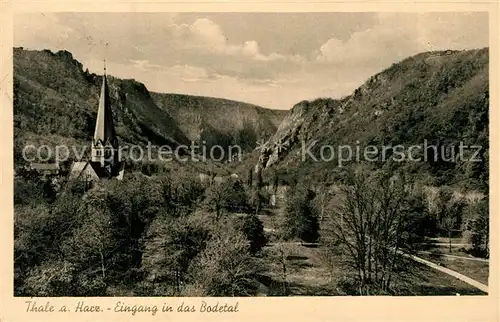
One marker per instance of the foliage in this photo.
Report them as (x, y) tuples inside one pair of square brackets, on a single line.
[(39, 232), (171, 246), (480, 229), (225, 196), (225, 267), (253, 229), (301, 216), (51, 279), (421, 222), (449, 212), (143, 235), (181, 193)]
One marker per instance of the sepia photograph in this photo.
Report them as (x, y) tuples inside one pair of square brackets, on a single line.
[(250, 154)]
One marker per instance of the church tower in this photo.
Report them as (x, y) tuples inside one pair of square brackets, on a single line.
[(105, 143), (105, 161)]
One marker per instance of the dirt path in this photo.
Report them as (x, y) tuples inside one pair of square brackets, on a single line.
[(445, 244), (448, 271), (459, 257)]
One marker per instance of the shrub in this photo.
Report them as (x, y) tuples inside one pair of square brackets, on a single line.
[(301, 217)]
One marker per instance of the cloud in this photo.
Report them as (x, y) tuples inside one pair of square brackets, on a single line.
[(467, 30), (398, 35), (144, 65), (195, 55), (202, 34), (187, 73), (207, 36), (37, 30)]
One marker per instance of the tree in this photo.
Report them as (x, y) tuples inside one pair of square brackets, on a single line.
[(225, 196), (91, 249), (448, 222), (256, 199), (72, 231), (51, 279), (480, 229), (181, 193), (421, 222), (253, 229), (323, 197), (40, 230), (237, 200), (281, 252), (29, 188), (449, 211), (217, 198), (171, 246), (250, 178), (225, 267), (300, 217), (371, 225)]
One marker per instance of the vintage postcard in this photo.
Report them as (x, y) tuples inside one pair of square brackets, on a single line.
[(234, 162)]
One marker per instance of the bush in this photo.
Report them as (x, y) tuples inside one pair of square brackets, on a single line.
[(225, 267), (51, 279), (172, 245), (253, 229), (301, 216)]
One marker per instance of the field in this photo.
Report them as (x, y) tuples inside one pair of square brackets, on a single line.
[(310, 273), (459, 261)]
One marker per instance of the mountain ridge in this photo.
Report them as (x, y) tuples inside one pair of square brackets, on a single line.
[(55, 102), (427, 96)]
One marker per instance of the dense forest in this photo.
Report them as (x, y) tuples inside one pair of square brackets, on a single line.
[(167, 234)]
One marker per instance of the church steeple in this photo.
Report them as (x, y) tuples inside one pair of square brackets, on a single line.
[(105, 143), (104, 127), (105, 159)]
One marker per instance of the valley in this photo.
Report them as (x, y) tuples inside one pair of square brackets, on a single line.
[(270, 224)]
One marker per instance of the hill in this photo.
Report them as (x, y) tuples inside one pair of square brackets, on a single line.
[(440, 98), (220, 121), (55, 102)]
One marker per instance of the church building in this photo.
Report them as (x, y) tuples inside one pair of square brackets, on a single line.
[(104, 161)]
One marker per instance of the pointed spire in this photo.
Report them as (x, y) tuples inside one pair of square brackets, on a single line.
[(104, 127)]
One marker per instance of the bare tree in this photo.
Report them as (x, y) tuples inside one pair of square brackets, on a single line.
[(322, 199), (217, 198), (282, 251), (449, 212), (370, 225)]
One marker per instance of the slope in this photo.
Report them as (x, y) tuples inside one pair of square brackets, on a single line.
[(220, 121), (436, 98)]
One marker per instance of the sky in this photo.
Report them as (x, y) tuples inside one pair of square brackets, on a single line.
[(274, 60)]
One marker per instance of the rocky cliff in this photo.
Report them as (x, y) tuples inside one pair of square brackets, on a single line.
[(441, 98)]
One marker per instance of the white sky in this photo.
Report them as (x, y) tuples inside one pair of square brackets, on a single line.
[(270, 59)]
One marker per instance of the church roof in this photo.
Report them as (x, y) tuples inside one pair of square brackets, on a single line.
[(104, 127), (77, 167), (91, 170), (82, 168)]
